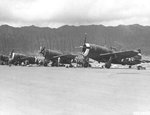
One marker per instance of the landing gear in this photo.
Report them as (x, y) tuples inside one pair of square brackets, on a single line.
[(45, 63), (141, 68), (54, 64), (26, 62), (2, 63), (69, 66), (108, 64), (86, 62)]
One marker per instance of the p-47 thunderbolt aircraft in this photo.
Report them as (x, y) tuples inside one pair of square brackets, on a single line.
[(109, 56), (56, 57), (18, 59)]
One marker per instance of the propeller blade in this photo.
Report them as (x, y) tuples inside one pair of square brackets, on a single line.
[(79, 47), (11, 53), (85, 38), (41, 49), (84, 43)]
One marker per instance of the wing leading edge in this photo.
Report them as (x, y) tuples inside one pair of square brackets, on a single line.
[(119, 55)]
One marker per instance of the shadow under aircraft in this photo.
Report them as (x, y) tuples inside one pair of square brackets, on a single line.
[(110, 56), (57, 58)]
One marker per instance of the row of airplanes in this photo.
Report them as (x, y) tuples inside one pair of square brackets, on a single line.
[(89, 51)]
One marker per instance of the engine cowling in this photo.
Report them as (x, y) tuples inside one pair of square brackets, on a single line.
[(86, 49)]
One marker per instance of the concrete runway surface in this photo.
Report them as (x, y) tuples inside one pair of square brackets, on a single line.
[(73, 91)]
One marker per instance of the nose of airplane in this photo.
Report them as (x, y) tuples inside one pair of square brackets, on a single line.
[(86, 49), (11, 53)]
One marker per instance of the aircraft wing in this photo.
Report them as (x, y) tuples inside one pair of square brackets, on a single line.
[(65, 56), (120, 55), (145, 61), (23, 58)]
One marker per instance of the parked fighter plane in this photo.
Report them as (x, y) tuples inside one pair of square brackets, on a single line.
[(4, 60), (18, 59), (109, 56), (56, 57)]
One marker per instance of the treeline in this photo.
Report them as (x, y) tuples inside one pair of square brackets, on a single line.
[(66, 38)]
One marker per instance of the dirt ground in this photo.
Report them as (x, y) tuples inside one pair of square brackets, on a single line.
[(74, 91)]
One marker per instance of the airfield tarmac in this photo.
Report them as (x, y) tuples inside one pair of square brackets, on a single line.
[(74, 91)]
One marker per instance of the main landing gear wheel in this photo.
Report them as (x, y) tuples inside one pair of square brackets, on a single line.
[(108, 64), (130, 66), (45, 63)]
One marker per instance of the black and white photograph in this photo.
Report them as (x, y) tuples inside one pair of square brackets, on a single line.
[(74, 57)]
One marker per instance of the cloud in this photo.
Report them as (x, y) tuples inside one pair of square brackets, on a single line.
[(74, 12)]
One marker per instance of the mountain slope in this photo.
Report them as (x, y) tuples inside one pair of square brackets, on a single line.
[(28, 39)]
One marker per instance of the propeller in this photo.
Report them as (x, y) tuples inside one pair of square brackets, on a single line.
[(11, 53), (41, 49), (85, 50), (79, 47), (85, 38), (84, 43)]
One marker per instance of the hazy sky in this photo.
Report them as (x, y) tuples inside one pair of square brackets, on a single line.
[(54, 13)]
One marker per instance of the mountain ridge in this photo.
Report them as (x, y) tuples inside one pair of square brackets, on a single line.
[(28, 39)]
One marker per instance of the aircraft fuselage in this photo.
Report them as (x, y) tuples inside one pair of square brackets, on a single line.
[(95, 51)]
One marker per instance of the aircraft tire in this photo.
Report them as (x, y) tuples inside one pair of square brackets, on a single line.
[(107, 65), (86, 65), (45, 64)]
